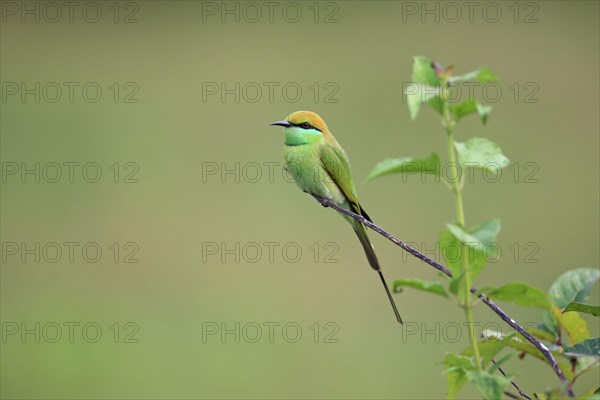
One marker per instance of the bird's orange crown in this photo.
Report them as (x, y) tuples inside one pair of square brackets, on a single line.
[(312, 118)]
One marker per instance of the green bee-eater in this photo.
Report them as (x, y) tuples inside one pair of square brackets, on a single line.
[(320, 167)]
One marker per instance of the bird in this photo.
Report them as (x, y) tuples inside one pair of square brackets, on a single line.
[(321, 168)]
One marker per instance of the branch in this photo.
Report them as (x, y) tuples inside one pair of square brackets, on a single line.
[(503, 316), (521, 392)]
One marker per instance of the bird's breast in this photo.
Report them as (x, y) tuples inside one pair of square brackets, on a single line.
[(304, 166)]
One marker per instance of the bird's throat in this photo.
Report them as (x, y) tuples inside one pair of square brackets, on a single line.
[(298, 137)]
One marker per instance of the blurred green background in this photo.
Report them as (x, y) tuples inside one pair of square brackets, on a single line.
[(183, 213)]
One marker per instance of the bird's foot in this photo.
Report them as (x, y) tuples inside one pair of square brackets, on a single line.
[(322, 200)]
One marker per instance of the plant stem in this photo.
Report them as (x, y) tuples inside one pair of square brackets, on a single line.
[(443, 269), (455, 181)]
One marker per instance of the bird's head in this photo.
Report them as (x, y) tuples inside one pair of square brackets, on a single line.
[(302, 127)]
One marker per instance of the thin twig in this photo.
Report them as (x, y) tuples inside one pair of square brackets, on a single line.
[(503, 316), (511, 395), (521, 392), (512, 382)]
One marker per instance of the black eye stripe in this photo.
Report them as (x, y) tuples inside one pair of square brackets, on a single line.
[(305, 125)]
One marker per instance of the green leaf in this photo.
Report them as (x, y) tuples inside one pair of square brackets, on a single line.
[(426, 286), (437, 104), (456, 367), (489, 347), (587, 348), (521, 294), (476, 244), (484, 112), (404, 165), (451, 249), (481, 153), (574, 325), (573, 285), (482, 75), (463, 109), (482, 236), (490, 386), (464, 237), (454, 361), (467, 247), (550, 323), (479, 242), (417, 94), (452, 252), (423, 72), (585, 364), (592, 394), (524, 346), (485, 75), (584, 308), (468, 107), (486, 232), (542, 332), (455, 283)]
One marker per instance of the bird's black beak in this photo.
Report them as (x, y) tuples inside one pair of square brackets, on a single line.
[(282, 123)]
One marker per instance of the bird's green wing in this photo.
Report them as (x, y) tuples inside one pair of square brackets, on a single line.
[(335, 161)]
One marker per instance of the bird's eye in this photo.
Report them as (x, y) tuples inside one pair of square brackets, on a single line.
[(305, 125)]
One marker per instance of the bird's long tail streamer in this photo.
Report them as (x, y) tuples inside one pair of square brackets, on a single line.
[(387, 290)]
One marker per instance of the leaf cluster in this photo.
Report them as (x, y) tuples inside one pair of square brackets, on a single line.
[(467, 249)]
